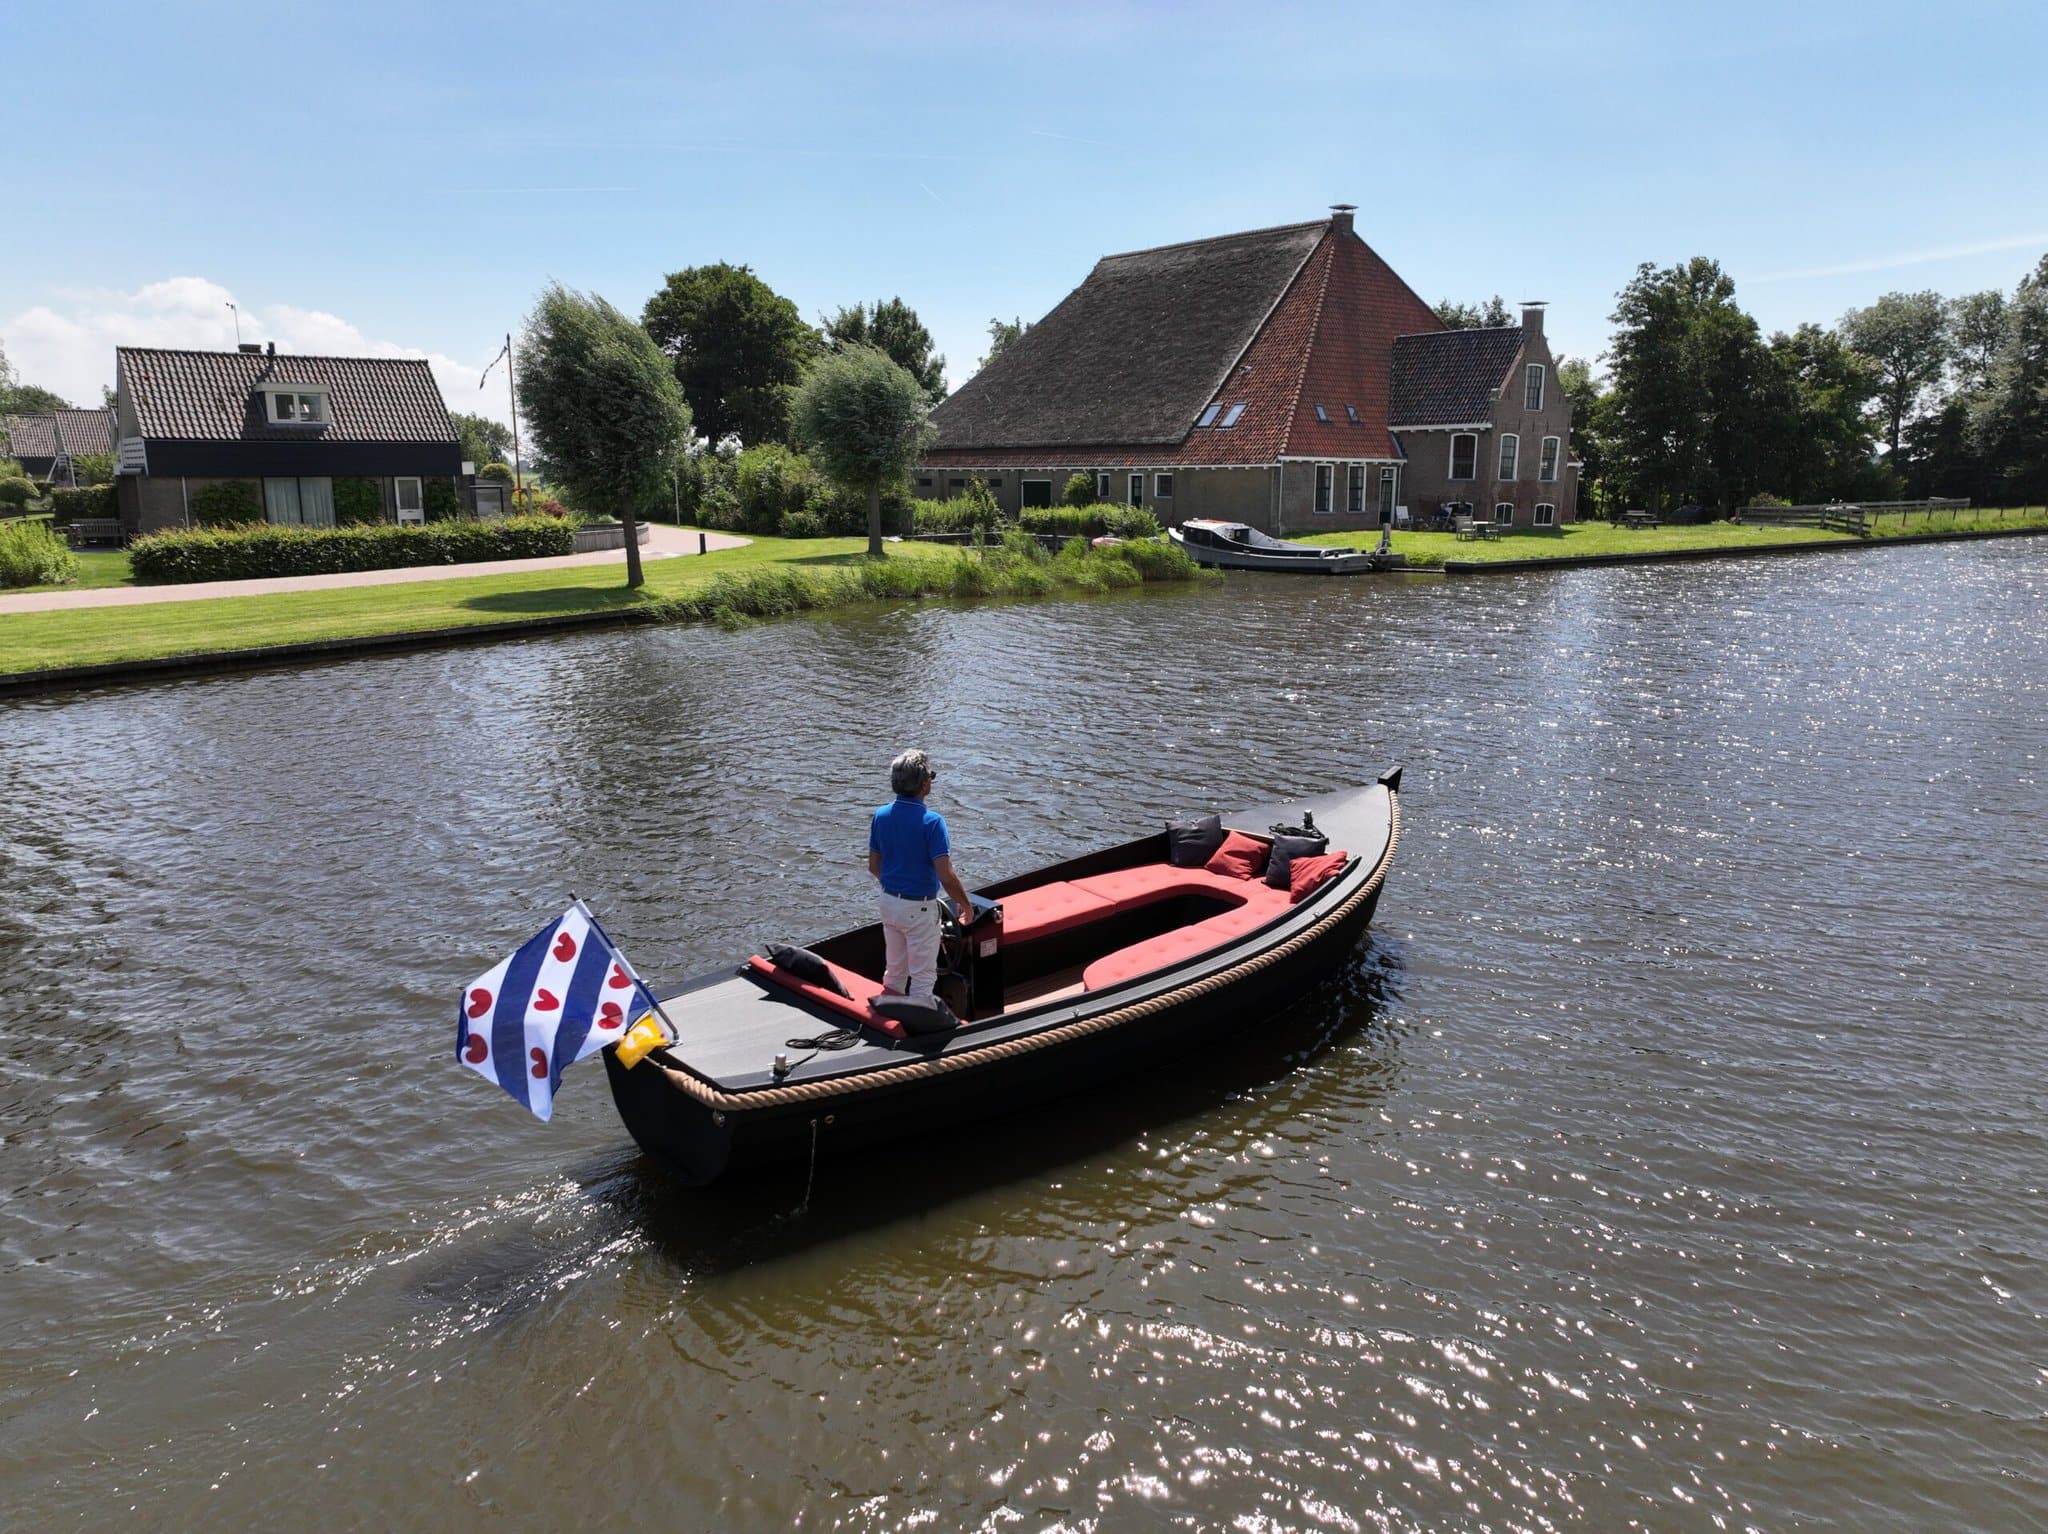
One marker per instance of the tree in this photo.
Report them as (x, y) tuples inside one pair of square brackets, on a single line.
[(1575, 377), (2009, 422), (1001, 333), (1978, 324), (1906, 336), (862, 419), (1457, 316), (603, 406), (1688, 418), (483, 439), (738, 347), (1080, 490), (893, 327), (1818, 419)]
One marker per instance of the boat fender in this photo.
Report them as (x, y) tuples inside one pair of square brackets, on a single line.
[(805, 965), (916, 1014)]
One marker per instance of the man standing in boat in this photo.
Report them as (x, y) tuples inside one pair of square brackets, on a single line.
[(909, 853)]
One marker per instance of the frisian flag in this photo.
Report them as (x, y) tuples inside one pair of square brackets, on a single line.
[(567, 993)]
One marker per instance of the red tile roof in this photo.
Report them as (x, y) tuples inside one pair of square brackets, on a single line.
[(216, 396)]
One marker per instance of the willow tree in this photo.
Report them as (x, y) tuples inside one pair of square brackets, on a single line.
[(862, 420), (603, 405)]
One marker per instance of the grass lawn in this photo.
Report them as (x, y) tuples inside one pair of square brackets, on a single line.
[(1430, 550), (97, 635)]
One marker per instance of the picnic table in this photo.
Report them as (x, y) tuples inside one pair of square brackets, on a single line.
[(1640, 519)]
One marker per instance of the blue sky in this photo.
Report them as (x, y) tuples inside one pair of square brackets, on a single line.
[(370, 176)]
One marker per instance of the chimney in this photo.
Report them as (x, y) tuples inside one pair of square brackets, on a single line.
[(253, 348), (273, 349), (1532, 316), (1340, 216)]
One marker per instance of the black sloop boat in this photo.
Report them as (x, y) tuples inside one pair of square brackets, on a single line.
[(1061, 978), (1237, 546)]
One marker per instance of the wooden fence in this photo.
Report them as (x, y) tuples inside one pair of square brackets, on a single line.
[(1857, 517)]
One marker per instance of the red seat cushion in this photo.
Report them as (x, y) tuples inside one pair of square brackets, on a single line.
[(1047, 909), (1129, 888), (854, 1004), (1240, 857), (1307, 875), (1182, 943)]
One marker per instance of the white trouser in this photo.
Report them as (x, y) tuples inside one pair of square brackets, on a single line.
[(910, 942)]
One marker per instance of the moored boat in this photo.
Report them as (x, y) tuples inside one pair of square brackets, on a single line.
[(1059, 979), (1237, 546)]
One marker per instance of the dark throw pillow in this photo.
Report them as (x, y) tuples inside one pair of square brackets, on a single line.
[(805, 965), (1192, 842), (917, 1015), (1240, 857), (1285, 850)]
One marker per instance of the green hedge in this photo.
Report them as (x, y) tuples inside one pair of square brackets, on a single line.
[(176, 558), (68, 506), (357, 502), (1104, 517), (226, 503), (32, 555)]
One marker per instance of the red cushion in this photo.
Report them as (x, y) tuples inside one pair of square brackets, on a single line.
[(1240, 856), (853, 1005), (1171, 948), (1047, 909), (1307, 875)]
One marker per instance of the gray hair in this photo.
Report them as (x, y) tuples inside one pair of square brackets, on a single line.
[(910, 772)]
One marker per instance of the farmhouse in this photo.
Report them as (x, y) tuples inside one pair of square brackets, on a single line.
[(1286, 378), (45, 445), (315, 439)]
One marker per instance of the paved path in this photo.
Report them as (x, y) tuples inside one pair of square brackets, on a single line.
[(663, 542)]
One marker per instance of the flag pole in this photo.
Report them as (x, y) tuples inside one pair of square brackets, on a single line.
[(638, 1041)]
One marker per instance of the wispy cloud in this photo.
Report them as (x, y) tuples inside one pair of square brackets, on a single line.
[(1906, 258), (1069, 138), (533, 191)]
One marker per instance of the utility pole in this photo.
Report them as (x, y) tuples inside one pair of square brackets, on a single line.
[(512, 384)]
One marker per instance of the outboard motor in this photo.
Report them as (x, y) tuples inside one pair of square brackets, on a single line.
[(971, 959)]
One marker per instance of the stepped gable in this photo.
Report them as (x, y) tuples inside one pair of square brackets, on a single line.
[(1451, 378), (1132, 355), (215, 396)]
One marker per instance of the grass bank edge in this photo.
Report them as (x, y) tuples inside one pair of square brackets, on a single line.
[(767, 578)]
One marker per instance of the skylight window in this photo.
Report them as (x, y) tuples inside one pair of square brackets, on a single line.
[(1351, 414), (1208, 417), (1322, 414), (1230, 417)]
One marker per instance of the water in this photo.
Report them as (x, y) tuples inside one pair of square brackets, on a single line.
[(1671, 1157)]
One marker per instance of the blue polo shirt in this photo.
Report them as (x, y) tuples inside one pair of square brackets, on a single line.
[(909, 836)]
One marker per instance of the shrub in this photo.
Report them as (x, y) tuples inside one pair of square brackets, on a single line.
[(16, 491), (954, 516), (93, 468), (440, 501), (769, 482), (68, 506), (502, 472), (357, 502), (1080, 490), (226, 503), (803, 524), (9, 469), (32, 555), (206, 554), (1091, 521)]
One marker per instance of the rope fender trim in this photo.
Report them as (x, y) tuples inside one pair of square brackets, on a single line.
[(919, 1070)]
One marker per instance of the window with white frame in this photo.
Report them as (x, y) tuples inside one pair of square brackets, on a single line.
[(1325, 473), (1546, 514), (1532, 386), (1504, 513), (405, 496), (298, 406), (1386, 495), (1546, 466), (1137, 489), (1510, 455), (1464, 455), (1102, 485), (1162, 487), (1354, 498)]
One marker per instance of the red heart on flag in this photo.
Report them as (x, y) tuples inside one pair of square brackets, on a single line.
[(618, 981), (610, 1015), (479, 1002), (478, 1050), (565, 947), (540, 1063), (545, 1000)]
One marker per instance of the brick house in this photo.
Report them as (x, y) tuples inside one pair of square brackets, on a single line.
[(288, 426), (1269, 378), (45, 445)]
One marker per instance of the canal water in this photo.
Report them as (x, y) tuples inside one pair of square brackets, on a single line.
[(1671, 1156)]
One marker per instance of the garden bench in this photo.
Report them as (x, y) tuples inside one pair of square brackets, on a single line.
[(1641, 519), (95, 530), (1465, 527)]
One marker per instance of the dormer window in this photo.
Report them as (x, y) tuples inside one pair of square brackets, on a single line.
[(1208, 417), (297, 406)]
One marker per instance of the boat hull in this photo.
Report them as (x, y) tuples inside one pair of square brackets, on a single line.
[(1308, 562), (704, 1132)]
